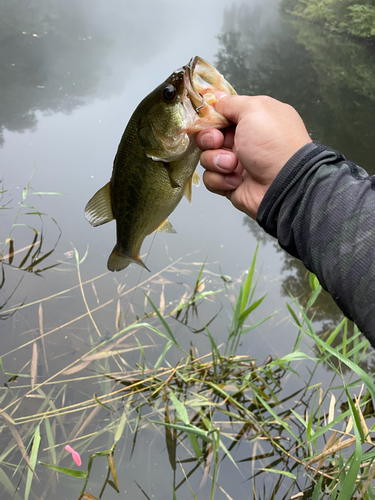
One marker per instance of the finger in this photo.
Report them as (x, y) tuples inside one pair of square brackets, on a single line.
[(228, 137), (219, 160), (210, 138), (220, 183), (234, 107)]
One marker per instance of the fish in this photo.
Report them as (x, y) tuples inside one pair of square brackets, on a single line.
[(155, 163)]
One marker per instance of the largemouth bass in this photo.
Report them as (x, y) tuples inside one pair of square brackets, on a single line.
[(156, 159)]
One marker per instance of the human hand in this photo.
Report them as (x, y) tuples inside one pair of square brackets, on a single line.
[(242, 161)]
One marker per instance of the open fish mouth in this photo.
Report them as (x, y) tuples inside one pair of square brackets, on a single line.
[(202, 80)]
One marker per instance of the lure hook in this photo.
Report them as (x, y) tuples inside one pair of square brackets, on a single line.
[(201, 106)]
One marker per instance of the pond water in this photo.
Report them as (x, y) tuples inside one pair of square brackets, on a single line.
[(72, 74)]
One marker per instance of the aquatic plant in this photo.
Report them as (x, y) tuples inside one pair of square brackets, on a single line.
[(204, 409), (31, 257)]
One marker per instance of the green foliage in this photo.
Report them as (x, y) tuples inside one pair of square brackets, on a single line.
[(353, 17), (362, 21)]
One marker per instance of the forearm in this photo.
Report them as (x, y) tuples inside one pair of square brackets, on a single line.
[(321, 208)]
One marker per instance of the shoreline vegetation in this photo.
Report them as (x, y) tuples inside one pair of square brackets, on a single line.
[(350, 17), (313, 440)]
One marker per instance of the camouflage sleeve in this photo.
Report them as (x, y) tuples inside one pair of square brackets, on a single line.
[(321, 208)]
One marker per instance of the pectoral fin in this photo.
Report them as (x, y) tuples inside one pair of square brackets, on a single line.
[(166, 227), (98, 210), (174, 184)]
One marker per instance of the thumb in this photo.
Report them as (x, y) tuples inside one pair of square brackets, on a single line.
[(233, 107)]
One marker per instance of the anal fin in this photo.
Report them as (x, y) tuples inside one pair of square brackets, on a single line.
[(166, 227)]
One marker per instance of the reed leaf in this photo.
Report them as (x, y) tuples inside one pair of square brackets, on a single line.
[(184, 417), (348, 486), (33, 458), (70, 472), (9, 487), (121, 426), (11, 424), (248, 282), (282, 472), (167, 328), (279, 420)]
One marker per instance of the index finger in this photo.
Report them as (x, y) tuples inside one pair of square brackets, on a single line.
[(234, 107)]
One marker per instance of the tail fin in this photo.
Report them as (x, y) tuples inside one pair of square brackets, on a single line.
[(119, 260)]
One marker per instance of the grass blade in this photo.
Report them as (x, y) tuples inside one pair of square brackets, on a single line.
[(250, 309), (121, 426), (9, 487), (71, 472), (283, 472), (248, 282), (183, 415), (34, 365), (16, 436), (169, 331), (280, 420), (33, 457), (112, 467)]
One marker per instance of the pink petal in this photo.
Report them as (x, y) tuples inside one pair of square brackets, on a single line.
[(75, 455)]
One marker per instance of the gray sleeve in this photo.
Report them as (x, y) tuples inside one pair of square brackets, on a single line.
[(321, 208)]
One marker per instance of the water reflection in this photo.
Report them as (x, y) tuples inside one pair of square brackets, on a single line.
[(288, 58), (55, 57), (48, 56)]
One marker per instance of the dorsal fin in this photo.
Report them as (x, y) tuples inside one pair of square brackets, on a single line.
[(98, 210)]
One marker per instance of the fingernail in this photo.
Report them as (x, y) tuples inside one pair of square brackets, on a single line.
[(224, 161), (207, 140), (219, 94)]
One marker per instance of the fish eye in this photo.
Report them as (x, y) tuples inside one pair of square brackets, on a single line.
[(169, 93)]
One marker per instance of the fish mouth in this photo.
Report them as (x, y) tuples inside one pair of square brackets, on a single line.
[(202, 80)]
